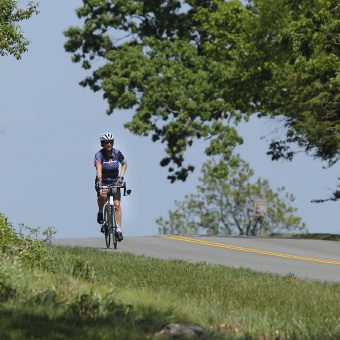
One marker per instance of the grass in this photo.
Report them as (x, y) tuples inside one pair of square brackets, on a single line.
[(85, 293), (213, 295), (316, 236), (122, 296)]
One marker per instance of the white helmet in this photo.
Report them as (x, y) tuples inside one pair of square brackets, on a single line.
[(107, 136)]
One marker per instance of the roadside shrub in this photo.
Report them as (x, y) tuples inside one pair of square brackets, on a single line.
[(28, 249)]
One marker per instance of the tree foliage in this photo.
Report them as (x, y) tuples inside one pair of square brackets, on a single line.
[(12, 41), (194, 68), (296, 46), (156, 65), (225, 206), (311, 101)]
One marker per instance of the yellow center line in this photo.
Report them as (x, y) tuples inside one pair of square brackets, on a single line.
[(220, 245)]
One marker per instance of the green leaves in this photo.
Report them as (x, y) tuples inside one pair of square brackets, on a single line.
[(224, 205), (194, 69), (161, 70), (12, 41), (288, 54), (307, 90)]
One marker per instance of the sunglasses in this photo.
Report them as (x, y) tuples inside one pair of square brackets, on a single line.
[(108, 142)]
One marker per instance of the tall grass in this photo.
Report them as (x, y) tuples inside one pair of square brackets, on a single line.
[(83, 293), (221, 299)]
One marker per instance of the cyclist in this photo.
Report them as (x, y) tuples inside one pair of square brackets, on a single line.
[(107, 162)]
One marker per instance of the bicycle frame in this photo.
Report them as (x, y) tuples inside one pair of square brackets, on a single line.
[(110, 222)]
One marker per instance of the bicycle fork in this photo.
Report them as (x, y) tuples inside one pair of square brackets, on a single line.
[(112, 214)]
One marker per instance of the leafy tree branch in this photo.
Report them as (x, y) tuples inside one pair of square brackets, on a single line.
[(12, 41), (162, 71), (184, 66)]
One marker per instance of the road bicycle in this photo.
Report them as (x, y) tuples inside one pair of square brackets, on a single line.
[(109, 227)]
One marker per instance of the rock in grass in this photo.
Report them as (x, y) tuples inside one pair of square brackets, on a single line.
[(182, 330)]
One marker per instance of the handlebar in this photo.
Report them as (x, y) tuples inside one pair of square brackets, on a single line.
[(127, 192)]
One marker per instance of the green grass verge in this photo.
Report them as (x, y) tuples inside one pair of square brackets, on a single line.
[(83, 293), (316, 236), (122, 296)]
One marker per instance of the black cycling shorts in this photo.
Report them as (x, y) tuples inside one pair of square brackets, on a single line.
[(116, 194)]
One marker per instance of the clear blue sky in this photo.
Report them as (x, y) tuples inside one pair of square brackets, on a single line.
[(50, 128)]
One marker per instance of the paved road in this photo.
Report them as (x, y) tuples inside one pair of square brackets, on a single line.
[(306, 259)]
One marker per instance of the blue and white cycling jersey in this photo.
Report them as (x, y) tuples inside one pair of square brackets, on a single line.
[(110, 165)]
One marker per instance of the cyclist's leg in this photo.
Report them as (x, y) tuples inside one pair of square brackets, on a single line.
[(101, 202), (118, 210), (116, 201)]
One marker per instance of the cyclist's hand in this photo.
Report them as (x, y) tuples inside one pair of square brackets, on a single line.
[(120, 180), (98, 184)]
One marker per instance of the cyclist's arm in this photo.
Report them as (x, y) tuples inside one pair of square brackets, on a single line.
[(99, 170), (123, 169)]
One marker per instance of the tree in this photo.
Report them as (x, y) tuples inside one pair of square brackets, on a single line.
[(156, 65), (194, 68), (223, 206), (12, 41), (296, 45), (310, 86)]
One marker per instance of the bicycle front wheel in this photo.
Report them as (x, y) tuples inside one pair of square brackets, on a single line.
[(107, 236), (107, 225), (114, 226)]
